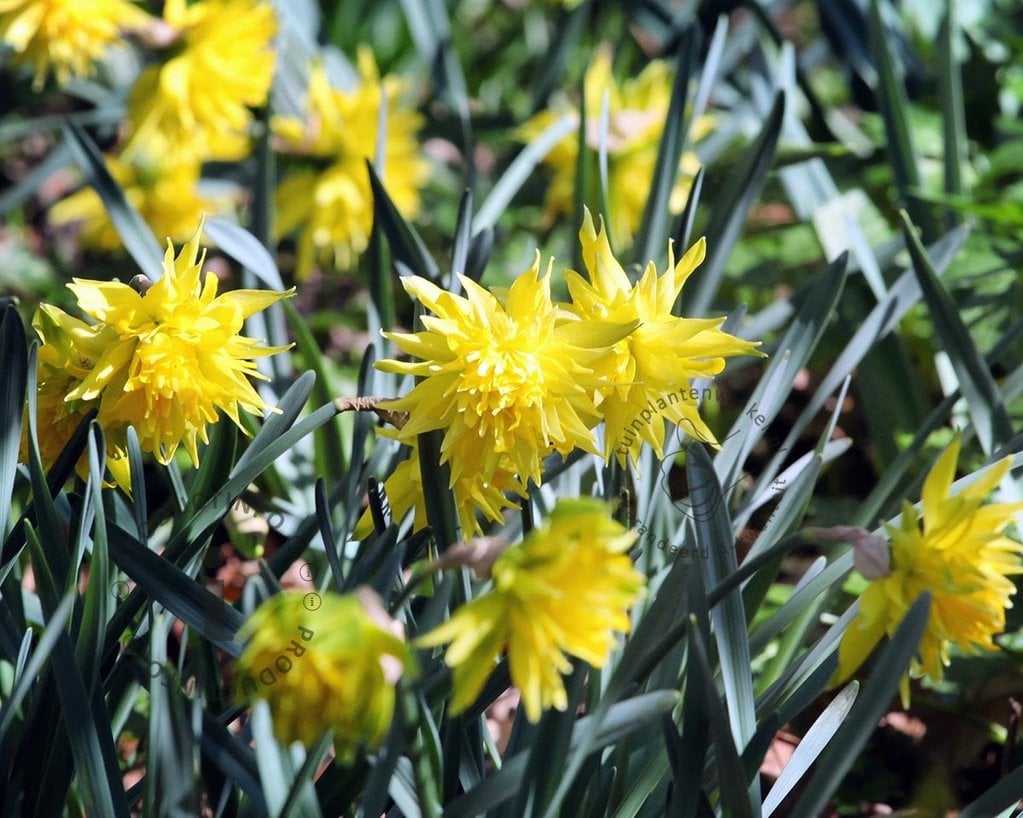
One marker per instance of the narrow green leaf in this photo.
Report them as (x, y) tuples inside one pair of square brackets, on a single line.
[(275, 769), (88, 731), (791, 355), (714, 535), (653, 232), (733, 788), (953, 113), (518, 172), (138, 485), (738, 193), (29, 185), (463, 239), (28, 676), (96, 611), (1003, 795), (14, 365), (621, 720), (233, 758), (301, 799), (892, 664), (406, 245), (134, 232), (811, 746), (891, 95), (982, 398), (176, 591), (438, 497), (883, 318), (56, 555)]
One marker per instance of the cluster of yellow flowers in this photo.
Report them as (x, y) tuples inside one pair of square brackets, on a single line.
[(215, 61), (565, 590), (512, 376), (164, 361), (194, 105)]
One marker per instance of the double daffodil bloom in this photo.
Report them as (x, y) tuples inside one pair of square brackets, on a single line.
[(220, 66), (507, 376), (565, 590), (64, 37), (328, 199), (645, 378), (324, 662), (956, 549)]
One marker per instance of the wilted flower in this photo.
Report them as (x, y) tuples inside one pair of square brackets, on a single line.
[(330, 202), (160, 183), (324, 662), (222, 64), (66, 37), (646, 376), (636, 115), (507, 380), (176, 358), (563, 591), (957, 551)]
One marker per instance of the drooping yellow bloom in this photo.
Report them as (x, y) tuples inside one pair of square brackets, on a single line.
[(331, 203), (645, 378), (178, 357), (957, 550), (563, 591), (222, 64), (324, 662), (636, 115), (507, 381), (160, 183), (66, 37), (69, 351)]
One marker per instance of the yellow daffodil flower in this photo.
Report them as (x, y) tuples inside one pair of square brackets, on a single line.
[(176, 357), (329, 201), (645, 378), (221, 65), (565, 590), (324, 662), (508, 381), (636, 115), (957, 550), (65, 37)]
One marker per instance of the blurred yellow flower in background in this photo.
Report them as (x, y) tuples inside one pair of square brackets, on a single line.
[(331, 203), (957, 550), (176, 358), (646, 377), (507, 379), (65, 37), (220, 65), (160, 183), (331, 668), (637, 112), (565, 590)]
